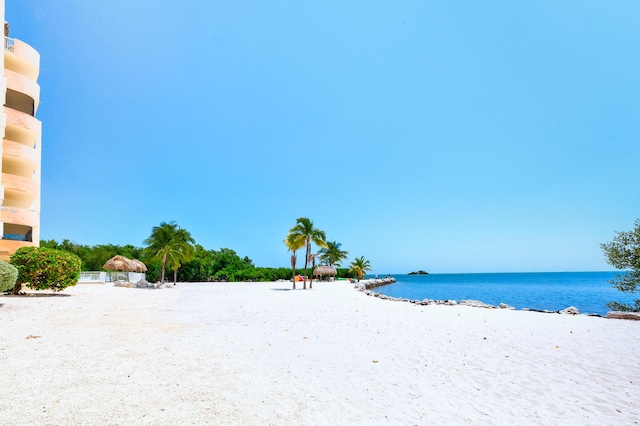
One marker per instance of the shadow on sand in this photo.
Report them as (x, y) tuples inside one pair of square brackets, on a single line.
[(38, 295)]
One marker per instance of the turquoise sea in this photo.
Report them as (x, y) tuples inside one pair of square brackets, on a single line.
[(587, 291)]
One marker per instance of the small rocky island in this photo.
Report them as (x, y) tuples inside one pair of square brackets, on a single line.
[(420, 272)]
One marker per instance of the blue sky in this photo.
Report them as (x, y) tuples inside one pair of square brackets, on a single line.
[(447, 136)]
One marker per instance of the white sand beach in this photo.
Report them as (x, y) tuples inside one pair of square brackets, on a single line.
[(259, 353)]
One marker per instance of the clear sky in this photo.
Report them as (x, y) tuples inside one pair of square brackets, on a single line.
[(449, 136)]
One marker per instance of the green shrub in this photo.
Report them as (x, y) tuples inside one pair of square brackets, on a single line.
[(44, 268), (8, 276), (154, 269)]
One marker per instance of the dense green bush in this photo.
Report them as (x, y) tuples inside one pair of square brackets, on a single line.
[(154, 269), (44, 268), (95, 256), (262, 274), (199, 268), (8, 276)]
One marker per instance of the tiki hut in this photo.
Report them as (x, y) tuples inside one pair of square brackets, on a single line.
[(119, 263), (324, 270), (140, 267), (125, 268)]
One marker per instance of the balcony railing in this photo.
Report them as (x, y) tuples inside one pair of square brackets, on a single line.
[(17, 237), (8, 44)]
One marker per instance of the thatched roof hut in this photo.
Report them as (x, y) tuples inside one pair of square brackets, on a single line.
[(141, 267), (324, 270), (117, 263), (121, 263)]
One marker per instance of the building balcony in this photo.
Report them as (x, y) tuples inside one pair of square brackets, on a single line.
[(22, 127), (18, 216), (18, 159), (22, 90), (19, 191), (21, 58)]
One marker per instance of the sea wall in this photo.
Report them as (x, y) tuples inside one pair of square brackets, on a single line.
[(363, 285)]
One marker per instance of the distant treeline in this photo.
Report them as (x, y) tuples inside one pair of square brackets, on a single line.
[(206, 265)]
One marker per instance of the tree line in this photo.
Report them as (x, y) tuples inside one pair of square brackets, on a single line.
[(171, 250)]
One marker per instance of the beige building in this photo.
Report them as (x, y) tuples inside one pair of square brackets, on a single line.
[(21, 146)]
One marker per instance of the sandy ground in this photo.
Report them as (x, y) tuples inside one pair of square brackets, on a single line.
[(263, 354)]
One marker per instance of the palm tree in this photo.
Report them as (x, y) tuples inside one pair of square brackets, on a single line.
[(332, 254), (360, 266), (184, 249), (312, 259), (305, 231), (168, 243), (293, 243)]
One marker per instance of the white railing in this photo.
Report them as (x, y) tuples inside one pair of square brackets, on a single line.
[(130, 277), (8, 44), (114, 276), (110, 277), (92, 276)]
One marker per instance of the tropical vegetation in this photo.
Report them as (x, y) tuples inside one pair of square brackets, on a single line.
[(42, 268), (359, 267), (93, 257), (8, 276), (171, 245), (293, 242), (204, 265), (304, 230), (623, 252), (332, 255)]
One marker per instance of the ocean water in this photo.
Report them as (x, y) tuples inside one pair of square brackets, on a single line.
[(587, 291)]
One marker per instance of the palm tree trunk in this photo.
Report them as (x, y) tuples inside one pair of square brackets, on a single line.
[(306, 262), (293, 269), (304, 285), (313, 266), (175, 274), (164, 263)]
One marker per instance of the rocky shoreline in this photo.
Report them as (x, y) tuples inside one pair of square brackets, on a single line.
[(372, 283), (366, 285)]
